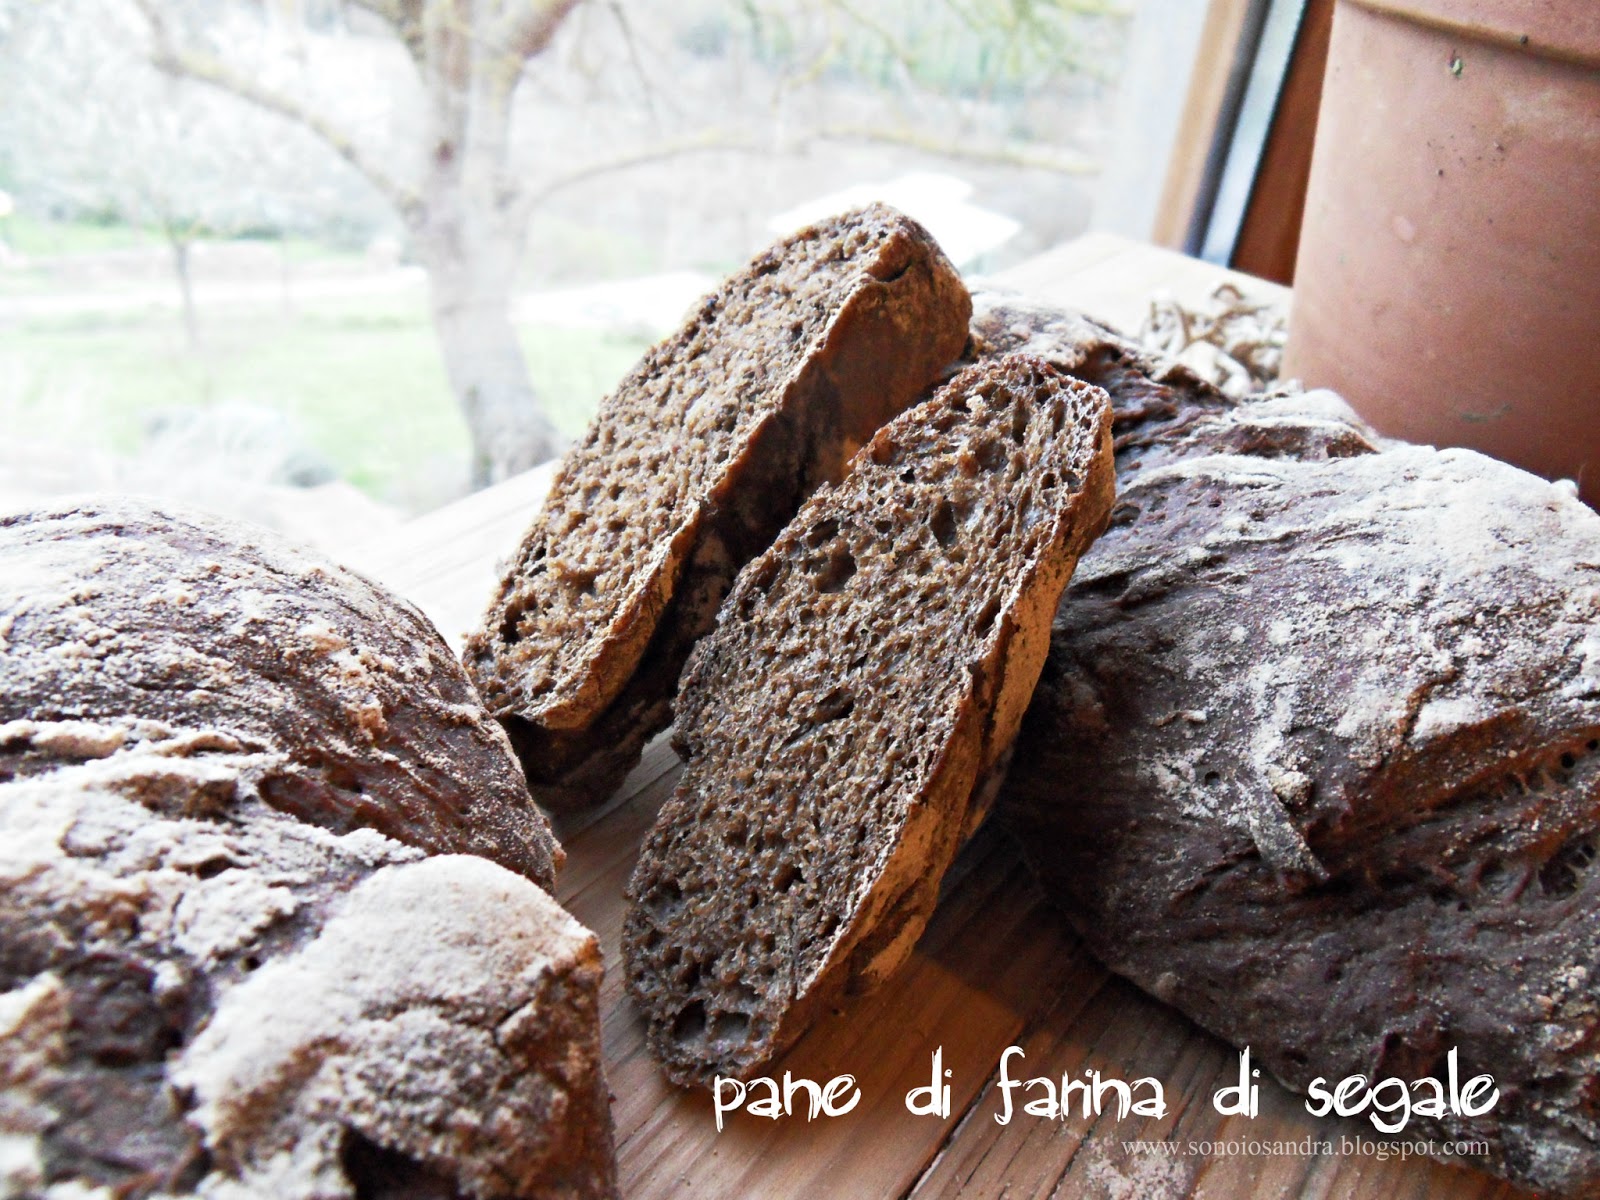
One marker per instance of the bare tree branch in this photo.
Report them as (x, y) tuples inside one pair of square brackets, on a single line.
[(402, 16), (625, 26), (723, 141), (713, 141), (191, 64), (897, 49), (530, 25), (1005, 156), (446, 65)]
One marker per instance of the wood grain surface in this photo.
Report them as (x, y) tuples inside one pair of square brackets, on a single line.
[(996, 968)]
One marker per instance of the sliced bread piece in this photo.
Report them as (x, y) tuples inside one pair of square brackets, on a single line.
[(864, 674), (691, 467)]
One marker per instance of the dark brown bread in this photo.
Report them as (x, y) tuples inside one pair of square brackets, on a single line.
[(201, 994), (1331, 715), (216, 974), (690, 469), (864, 674), (1153, 402), (148, 621)]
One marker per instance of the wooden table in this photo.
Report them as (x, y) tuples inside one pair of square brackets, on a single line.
[(996, 967)]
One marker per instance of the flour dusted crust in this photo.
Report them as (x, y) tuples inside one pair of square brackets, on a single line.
[(866, 672), (402, 1002), (199, 993), (690, 468), (1330, 711), (226, 965), (122, 612)]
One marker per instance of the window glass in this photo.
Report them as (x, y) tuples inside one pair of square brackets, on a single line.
[(327, 266)]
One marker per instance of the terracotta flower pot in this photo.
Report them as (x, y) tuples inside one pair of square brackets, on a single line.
[(1448, 280)]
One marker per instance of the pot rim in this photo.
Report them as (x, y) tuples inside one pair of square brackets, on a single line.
[(1566, 32)]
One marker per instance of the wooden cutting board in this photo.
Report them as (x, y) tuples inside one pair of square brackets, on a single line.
[(996, 968)]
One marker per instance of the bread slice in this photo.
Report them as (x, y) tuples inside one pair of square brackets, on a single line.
[(864, 674), (691, 468)]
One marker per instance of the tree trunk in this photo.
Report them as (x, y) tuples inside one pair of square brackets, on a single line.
[(471, 300), (467, 215), (180, 267)]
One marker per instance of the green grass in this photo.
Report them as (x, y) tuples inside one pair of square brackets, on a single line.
[(37, 237), (40, 237), (575, 369), (362, 381)]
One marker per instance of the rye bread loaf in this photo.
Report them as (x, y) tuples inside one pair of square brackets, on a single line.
[(217, 975), (1330, 712), (864, 674), (690, 468), (146, 621)]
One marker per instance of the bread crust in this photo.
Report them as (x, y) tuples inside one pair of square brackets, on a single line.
[(123, 613), (226, 965), (1330, 710)]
